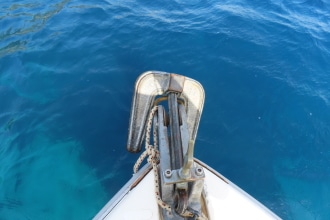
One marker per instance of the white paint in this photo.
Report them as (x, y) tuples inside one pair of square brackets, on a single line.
[(224, 200)]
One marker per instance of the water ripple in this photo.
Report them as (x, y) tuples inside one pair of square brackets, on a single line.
[(24, 19)]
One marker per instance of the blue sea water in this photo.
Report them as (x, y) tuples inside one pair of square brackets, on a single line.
[(67, 71)]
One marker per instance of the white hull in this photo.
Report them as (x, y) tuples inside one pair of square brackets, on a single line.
[(136, 200), (178, 186)]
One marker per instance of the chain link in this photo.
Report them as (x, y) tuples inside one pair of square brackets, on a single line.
[(153, 158)]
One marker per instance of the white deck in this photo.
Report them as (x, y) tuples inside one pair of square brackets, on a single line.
[(224, 199)]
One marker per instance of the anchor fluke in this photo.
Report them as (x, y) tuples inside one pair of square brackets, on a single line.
[(155, 83)]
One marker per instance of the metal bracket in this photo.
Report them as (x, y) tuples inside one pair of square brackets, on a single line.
[(175, 176)]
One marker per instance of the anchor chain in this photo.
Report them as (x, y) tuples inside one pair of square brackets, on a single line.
[(190, 213), (153, 158), (195, 215)]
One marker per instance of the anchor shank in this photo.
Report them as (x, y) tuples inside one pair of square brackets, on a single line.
[(176, 145)]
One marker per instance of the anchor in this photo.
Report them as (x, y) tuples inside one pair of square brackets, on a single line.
[(179, 103)]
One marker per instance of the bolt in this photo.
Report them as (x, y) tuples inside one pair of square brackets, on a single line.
[(199, 171), (168, 173)]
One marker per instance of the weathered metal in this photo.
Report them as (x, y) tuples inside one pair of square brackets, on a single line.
[(152, 84), (176, 136)]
